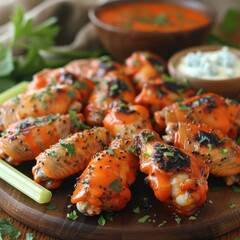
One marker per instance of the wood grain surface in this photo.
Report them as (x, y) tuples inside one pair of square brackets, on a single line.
[(215, 217)]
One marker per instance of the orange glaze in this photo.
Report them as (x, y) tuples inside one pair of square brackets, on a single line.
[(152, 16), (172, 180), (95, 190), (25, 139), (126, 121), (208, 108), (208, 144)]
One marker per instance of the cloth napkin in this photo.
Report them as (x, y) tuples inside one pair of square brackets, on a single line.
[(76, 30)]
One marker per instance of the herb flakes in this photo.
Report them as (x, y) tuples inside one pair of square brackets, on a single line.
[(143, 219), (7, 229), (116, 185), (160, 225), (72, 215), (69, 147)]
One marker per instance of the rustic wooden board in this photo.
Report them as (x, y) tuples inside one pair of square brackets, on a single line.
[(215, 217)]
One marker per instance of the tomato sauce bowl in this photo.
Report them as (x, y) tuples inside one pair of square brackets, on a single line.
[(159, 26)]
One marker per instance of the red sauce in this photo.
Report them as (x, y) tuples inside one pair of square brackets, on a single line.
[(155, 16)]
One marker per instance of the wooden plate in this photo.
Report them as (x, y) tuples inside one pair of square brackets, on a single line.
[(216, 217)]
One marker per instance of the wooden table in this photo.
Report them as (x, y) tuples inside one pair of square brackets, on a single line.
[(234, 235)]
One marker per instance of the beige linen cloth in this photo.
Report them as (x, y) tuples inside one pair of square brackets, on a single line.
[(76, 30)]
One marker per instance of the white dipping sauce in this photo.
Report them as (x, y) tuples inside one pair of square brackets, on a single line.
[(220, 64)]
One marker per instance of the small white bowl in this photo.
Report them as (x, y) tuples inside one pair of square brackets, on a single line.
[(226, 87)]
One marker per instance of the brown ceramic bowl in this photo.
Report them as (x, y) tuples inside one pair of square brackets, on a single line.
[(122, 43), (227, 87)]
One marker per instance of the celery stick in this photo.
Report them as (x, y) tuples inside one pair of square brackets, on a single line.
[(24, 184), (13, 91)]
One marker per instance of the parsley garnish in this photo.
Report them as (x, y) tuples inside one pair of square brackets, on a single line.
[(183, 107), (147, 138), (146, 154), (101, 220), (232, 205), (29, 236), (116, 185), (111, 152), (53, 153), (70, 148), (168, 154), (7, 229), (137, 209), (162, 224), (51, 206), (71, 94), (143, 219), (236, 189), (178, 219), (72, 215), (80, 85), (210, 146), (104, 217), (78, 122), (131, 149), (223, 150)]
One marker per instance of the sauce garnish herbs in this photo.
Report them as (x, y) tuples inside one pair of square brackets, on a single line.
[(156, 16)]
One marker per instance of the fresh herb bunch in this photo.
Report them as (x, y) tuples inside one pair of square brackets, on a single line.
[(32, 40)]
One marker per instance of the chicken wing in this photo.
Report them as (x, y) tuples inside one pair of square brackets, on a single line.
[(177, 178), (25, 139), (144, 67), (126, 121), (217, 150), (104, 184), (112, 90), (69, 156), (156, 96), (93, 68), (208, 108), (36, 103), (61, 76)]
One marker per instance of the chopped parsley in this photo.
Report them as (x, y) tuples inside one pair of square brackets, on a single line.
[(192, 218), (236, 189), (80, 85), (232, 205), (168, 154), (223, 150), (210, 146), (101, 220), (51, 206), (131, 149), (137, 209), (111, 152), (147, 138), (8, 230), (146, 154), (29, 236), (116, 185), (71, 94), (53, 153), (183, 107), (105, 217), (143, 219), (70, 148), (178, 219), (78, 122), (72, 215), (162, 224)]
